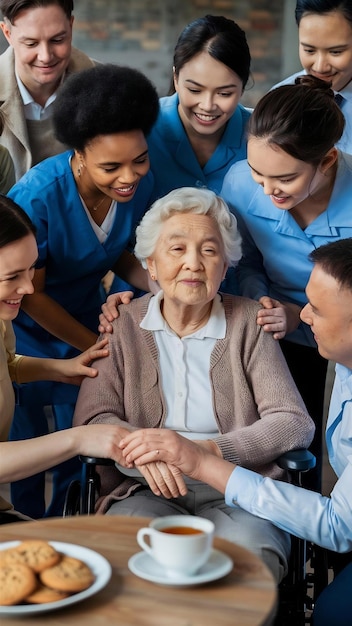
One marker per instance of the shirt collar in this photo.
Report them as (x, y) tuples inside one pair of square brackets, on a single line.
[(28, 98), (346, 92), (214, 328)]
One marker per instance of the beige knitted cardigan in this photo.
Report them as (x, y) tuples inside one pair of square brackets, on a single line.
[(257, 407)]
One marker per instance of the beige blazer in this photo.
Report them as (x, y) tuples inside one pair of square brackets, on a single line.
[(14, 136)]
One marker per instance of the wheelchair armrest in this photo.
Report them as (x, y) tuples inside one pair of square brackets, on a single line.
[(300, 460), (93, 460)]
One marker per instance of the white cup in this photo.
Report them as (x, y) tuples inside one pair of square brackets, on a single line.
[(181, 544)]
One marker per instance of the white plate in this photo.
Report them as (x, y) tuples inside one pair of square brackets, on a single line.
[(100, 567), (144, 566)]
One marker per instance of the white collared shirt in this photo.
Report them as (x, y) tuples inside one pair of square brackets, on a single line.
[(33, 110), (184, 366)]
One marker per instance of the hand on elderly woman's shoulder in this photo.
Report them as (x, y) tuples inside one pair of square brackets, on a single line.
[(110, 311)]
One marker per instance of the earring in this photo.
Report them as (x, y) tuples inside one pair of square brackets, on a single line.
[(79, 170), (152, 276)]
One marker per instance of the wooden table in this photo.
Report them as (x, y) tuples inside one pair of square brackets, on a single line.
[(245, 597)]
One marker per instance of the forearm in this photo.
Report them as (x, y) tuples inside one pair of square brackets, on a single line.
[(129, 269), (53, 318), (214, 471), (30, 369), (306, 514), (19, 459)]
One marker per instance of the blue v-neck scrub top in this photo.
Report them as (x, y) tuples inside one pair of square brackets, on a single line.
[(276, 249), (173, 161), (74, 259)]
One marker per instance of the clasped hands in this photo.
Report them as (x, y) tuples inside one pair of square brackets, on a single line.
[(162, 456)]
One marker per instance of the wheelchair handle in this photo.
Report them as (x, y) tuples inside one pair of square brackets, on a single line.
[(93, 460)]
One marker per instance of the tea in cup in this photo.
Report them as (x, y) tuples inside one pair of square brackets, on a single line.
[(181, 544)]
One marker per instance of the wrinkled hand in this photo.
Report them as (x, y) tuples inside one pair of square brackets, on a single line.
[(75, 369), (277, 317), (164, 479), (110, 311), (154, 444)]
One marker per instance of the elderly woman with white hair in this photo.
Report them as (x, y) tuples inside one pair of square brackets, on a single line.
[(194, 360)]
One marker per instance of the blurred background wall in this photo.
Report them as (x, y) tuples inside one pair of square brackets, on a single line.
[(142, 34)]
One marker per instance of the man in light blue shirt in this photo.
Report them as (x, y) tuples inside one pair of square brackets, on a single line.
[(325, 51), (326, 521)]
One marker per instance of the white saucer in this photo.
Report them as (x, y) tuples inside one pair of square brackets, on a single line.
[(144, 566)]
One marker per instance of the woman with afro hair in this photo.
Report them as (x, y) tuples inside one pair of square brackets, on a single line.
[(85, 204)]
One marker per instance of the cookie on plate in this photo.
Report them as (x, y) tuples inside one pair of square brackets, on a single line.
[(70, 574), (43, 594), (35, 553), (16, 582)]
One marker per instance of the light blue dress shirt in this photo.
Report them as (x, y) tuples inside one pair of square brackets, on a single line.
[(345, 143), (275, 248), (326, 521), (172, 158)]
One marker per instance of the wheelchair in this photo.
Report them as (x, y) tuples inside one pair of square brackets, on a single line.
[(308, 566)]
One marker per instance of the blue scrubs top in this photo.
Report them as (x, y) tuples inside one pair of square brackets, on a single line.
[(173, 161), (275, 248), (74, 258)]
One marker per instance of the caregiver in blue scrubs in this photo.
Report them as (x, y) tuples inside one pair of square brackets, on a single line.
[(201, 129), (291, 196), (85, 204)]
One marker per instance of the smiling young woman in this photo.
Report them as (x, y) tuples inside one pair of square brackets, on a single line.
[(85, 204), (200, 130), (290, 198), (18, 256)]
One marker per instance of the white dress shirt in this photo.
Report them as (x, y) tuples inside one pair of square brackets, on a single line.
[(33, 110), (185, 365)]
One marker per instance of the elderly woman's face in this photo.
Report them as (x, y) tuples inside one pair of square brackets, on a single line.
[(189, 261)]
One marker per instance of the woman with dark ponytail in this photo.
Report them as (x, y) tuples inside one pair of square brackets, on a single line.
[(292, 196)]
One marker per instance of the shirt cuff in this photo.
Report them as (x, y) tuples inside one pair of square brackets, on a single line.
[(242, 487)]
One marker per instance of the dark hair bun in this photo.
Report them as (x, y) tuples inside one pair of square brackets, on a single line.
[(311, 82)]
